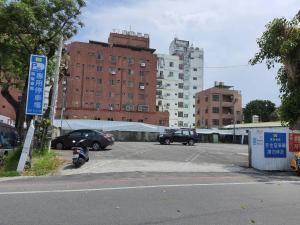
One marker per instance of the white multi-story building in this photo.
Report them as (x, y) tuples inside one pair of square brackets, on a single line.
[(190, 79), (167, 86)]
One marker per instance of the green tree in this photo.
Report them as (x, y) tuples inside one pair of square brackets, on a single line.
[(280, 43), (265, 109), (32, 27)]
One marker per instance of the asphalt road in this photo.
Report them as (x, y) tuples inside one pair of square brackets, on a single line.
[(152, 198), (146, 183), (153, 157)]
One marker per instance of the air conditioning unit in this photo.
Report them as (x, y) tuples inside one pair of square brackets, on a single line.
[(129, 108), (143, 64), (113, 72), (142, 87), (110, 108)]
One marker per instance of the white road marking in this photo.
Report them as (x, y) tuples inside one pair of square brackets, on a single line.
[(144, 187), (195, 157), (188, 159)]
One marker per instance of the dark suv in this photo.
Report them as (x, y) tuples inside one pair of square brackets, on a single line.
[(184, 136), (96, 139)]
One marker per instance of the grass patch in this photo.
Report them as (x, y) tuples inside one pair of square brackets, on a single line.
[(43, 163), (10, 164)]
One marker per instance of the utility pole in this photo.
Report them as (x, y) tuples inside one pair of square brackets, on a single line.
[(63, 100), (55, 85), (234, 119)]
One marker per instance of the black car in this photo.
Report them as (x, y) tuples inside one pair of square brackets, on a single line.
[(96, 139), (8, 136), (184, 136)]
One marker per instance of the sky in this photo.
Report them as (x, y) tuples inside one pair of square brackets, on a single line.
[(226, 29)]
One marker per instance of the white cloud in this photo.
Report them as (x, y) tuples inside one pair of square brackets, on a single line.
[(226, 29)]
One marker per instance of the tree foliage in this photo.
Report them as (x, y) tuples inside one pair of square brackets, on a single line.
[(280, 43), (32, 27), (265, 109)]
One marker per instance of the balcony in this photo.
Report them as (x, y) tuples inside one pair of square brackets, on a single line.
[(160, 77)]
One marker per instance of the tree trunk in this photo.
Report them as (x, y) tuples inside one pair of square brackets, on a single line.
[(19, 107), (47, 112)]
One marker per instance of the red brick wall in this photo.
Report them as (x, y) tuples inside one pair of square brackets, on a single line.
[(202, 105), (115, 38), (5, 108), (83, 91)]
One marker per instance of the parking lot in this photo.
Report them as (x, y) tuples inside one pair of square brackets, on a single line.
[(153, 157)]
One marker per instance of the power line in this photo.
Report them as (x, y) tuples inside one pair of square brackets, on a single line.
[(227, 66)]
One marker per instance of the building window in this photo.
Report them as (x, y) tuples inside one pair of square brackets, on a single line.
[(112, 82), (180, 114), (110, 106), (99, 68), (129, 107), (171, 64), (170, 74), (98, 93), (215, 122), (99, 56), (110, 94), (99, 80), (186, 115), (143, 108), (215, 98), (194, 87), (180, 66), (97, 106), (130, 72), (130, 84), (112, 70), (206, 99), (130, 61), (142, 74), (215, 110), (180, 123), (181, 76), (130, 95), (194, 78), (113, 59), (206, 110), (180, 85), (195, 69), (141, 96), (180, 104)]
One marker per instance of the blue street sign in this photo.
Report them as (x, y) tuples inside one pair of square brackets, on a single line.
[(275, 145), (36, 85)]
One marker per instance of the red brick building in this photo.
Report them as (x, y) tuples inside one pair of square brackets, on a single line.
[(112, 81), (5, 108), (218, 106)]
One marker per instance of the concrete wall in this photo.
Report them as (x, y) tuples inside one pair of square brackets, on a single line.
[(257, 148)]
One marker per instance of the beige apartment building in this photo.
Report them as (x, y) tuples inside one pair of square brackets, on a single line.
[(218, 106)]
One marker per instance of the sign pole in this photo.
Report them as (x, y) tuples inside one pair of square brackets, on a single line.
[(55, 86), (34, 102)]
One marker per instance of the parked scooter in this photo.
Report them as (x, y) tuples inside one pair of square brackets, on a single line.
[(80, 153), (295, 163)]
